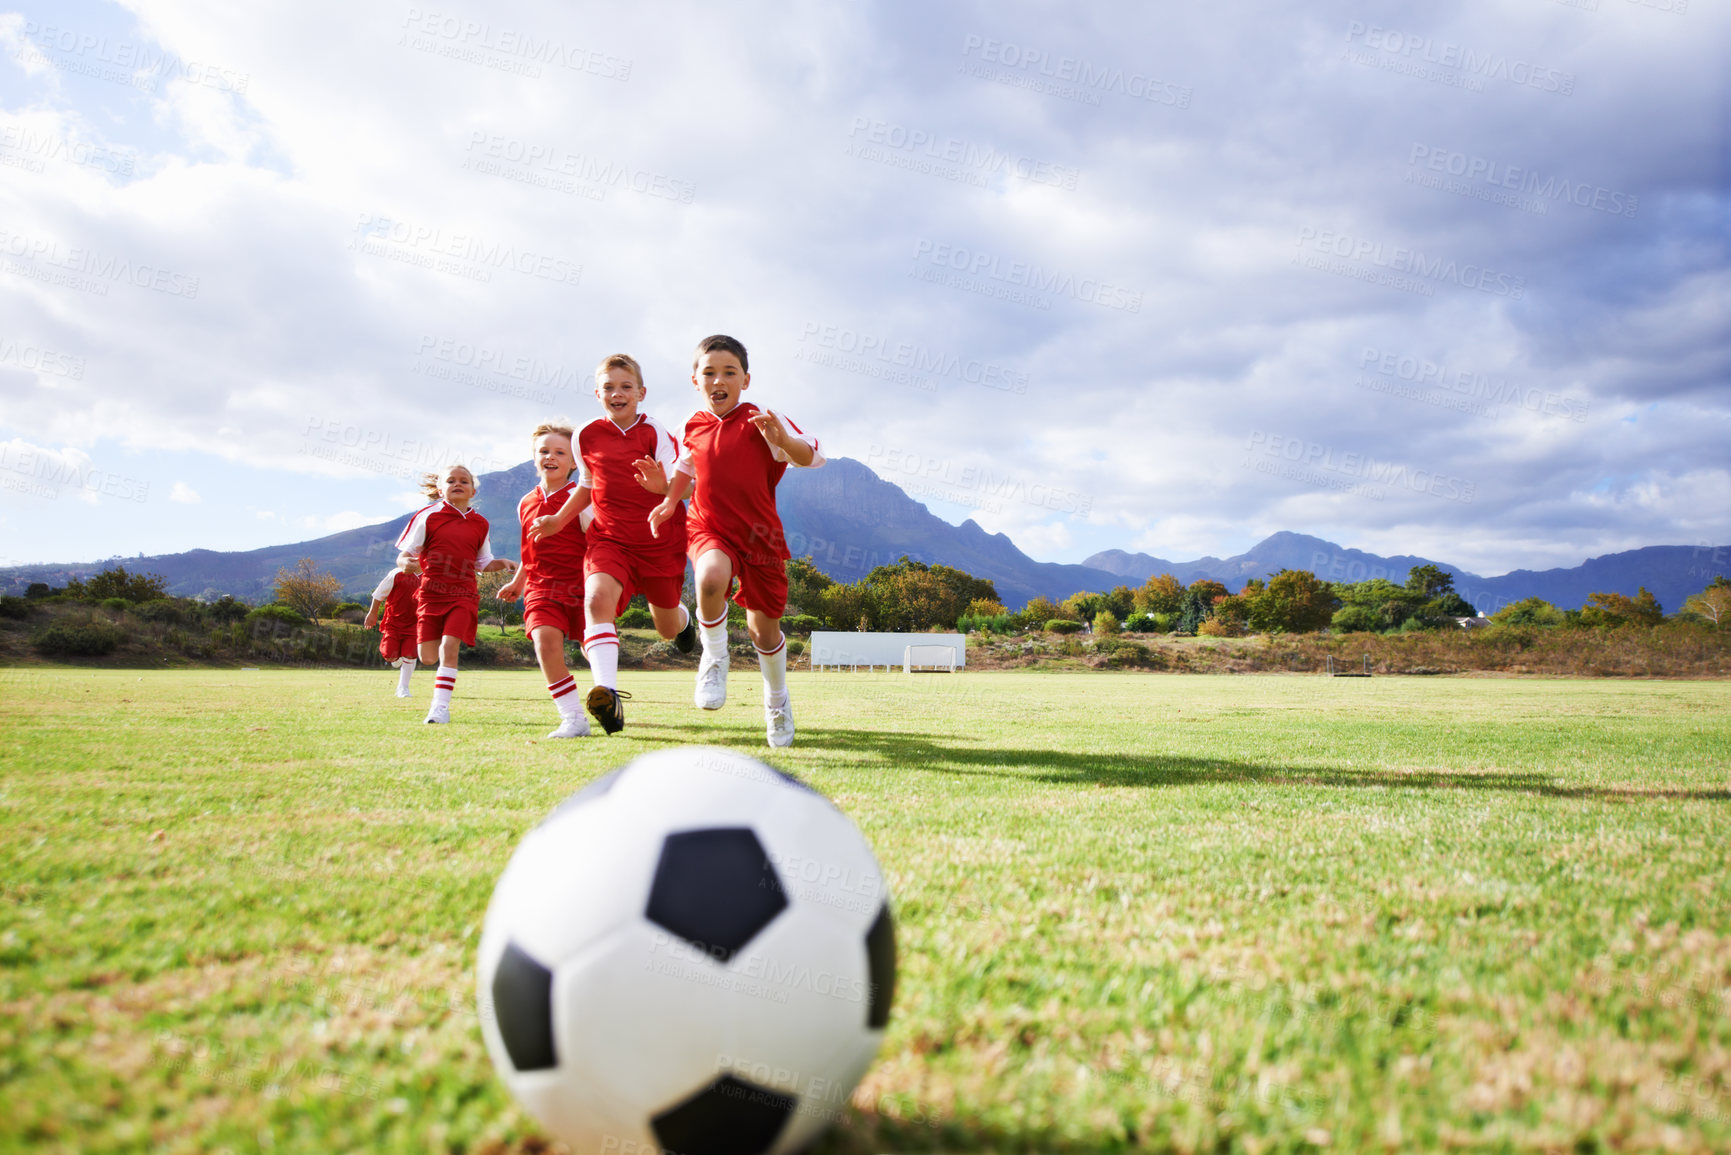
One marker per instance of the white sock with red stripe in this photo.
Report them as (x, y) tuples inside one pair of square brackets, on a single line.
[(565, 697), (444, 681), (773, 663), (601, 647), (404, 669), (714, 636)]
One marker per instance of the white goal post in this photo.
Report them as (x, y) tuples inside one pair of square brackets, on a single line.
[(850, 650)]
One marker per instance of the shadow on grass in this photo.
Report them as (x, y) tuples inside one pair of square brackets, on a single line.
[(927, 751)]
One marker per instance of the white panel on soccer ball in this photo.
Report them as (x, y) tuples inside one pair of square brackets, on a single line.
[(823, 1102), (822, 860), (698, 788), (814, 991), (646, 1018), (581, 852), (581, 1114)]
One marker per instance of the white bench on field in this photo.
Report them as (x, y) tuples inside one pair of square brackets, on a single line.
[(846, 650), (929, 658)]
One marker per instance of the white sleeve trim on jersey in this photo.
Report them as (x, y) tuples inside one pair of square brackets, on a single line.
[(666, 448), (582, 475), (383, 589), (485, 557), (780, 455), (415, 533), (682, 464)]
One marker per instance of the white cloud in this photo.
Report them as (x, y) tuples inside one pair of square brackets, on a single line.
[(754, 199), (184, 493)]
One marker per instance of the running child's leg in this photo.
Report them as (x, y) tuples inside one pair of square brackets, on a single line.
[(444, 651), (601, 636), (670, 621), (561, 686), (714, 575), (603, 597)]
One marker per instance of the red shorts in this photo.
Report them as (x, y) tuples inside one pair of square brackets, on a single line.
[(762, 586), (394, 646), (566, 617), (435, 622), (636, 573)]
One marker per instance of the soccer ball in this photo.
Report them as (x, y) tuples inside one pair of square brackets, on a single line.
[(692, 954)]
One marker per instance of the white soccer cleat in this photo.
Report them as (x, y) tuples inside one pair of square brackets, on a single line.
[(576, 726), (438, 714), (401, 692), (711, 683), (779, 721)]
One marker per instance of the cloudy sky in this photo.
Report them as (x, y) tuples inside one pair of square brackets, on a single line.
[(1441, 279)]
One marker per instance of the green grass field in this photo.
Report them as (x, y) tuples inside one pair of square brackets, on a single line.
[(1135, 912)]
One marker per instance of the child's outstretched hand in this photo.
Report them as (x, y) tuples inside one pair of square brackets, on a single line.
[(772, 429), (513, 589), (409, 563), (543, 527), (649, 474), (369, 621), (659, 515)]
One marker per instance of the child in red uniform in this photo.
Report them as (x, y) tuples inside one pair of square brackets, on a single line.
[(550, 580), (735, 454), (624, 460), (446, 543), (395, 596)]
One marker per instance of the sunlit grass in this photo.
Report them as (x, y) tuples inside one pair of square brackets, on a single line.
[(1259, 913)]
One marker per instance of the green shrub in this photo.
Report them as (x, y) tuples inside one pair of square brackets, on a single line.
[(76, 639), (280, 615), (636, 619), (801, 624), (1105, 622), (161, 610), (118, 605), (986, 623), (795, 647), (1141, 624), (1351, 619), (40, 590), (1062, 626), (225, 609), (15, 608)]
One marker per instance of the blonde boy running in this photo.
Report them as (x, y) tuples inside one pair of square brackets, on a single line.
[(624, 459), (551, 578), (735, 454)]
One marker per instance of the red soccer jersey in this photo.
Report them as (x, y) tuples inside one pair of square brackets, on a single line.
[(555, 563), (737, 472), (452, 545), (397, 592), (621, 504)]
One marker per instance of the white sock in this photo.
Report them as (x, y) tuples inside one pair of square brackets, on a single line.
[(443, 683), (565, 696), (684, 618), (404, 671), (714, 636), (773, 663), (601, 647)]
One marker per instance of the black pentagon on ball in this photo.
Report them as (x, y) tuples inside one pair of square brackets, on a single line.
[(728, 1117), (881, 958), (523, 1006), (716, 889)]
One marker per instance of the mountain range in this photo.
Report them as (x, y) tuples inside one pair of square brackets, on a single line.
[(849, 520)]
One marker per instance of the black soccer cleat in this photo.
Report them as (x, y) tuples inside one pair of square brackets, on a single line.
[(686, 640), (605, 705)]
